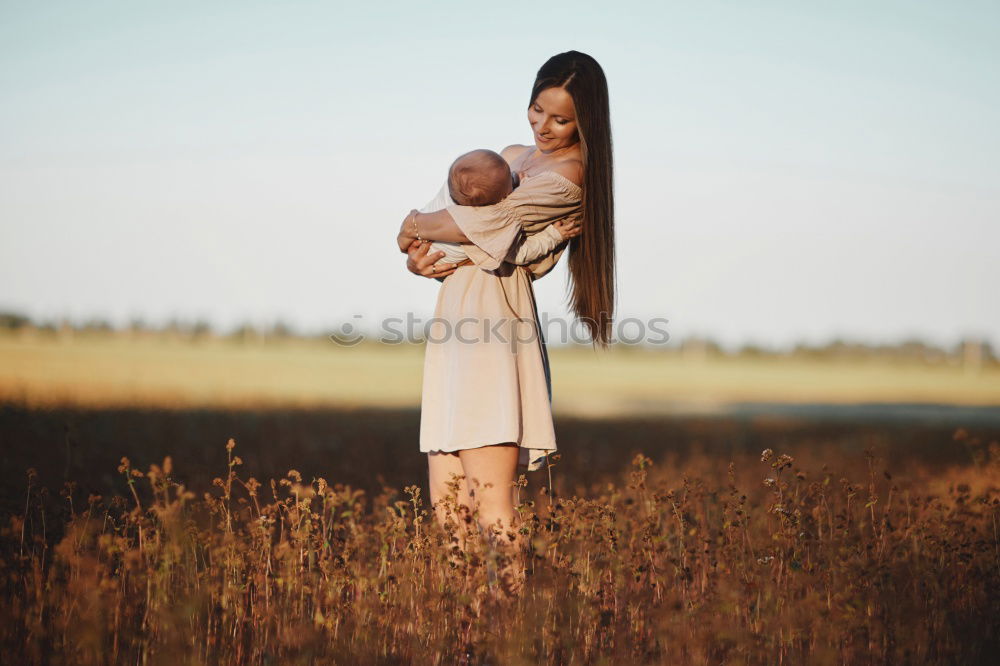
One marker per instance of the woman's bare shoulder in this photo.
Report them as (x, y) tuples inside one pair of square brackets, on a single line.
[(570, 169), (513, 151)]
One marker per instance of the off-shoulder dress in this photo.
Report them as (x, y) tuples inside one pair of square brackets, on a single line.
[(486, 373)]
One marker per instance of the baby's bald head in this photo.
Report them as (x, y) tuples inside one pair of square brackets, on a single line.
[(479, 178)]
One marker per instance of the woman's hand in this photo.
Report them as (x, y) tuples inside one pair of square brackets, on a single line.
[(423, 262), (568, 229), (406, 235)]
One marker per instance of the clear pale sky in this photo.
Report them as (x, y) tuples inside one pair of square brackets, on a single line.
[(785, 171)]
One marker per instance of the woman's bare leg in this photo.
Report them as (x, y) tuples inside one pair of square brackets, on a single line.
[(441, 467), (489, 472)]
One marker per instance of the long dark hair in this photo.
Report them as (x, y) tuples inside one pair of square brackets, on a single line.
[(592, 253)]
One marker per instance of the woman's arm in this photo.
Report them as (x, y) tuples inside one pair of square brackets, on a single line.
[(491, 231), (436, 226), (534, 247)]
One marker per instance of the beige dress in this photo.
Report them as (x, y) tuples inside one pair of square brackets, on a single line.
[(486, 371)]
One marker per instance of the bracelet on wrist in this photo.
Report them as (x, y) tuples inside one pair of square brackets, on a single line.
[(413, 216)]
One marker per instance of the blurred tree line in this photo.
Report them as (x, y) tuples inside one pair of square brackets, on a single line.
[(970, 351), (177, 328)]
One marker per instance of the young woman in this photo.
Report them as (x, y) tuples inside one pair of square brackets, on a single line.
[(486, 401)]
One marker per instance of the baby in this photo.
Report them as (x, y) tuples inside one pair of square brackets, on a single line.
[(481, 178)]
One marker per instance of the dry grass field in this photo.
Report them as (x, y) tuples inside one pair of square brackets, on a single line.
[(169, 503)]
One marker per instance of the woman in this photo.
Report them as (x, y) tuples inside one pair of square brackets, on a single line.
[(486, 403)]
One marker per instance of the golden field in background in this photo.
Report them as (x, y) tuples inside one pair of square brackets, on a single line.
[(101, 370)]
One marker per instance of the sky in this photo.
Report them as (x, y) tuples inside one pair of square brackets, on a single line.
[(784, 171)]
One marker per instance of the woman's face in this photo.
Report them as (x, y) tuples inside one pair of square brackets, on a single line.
[(553, 119)]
